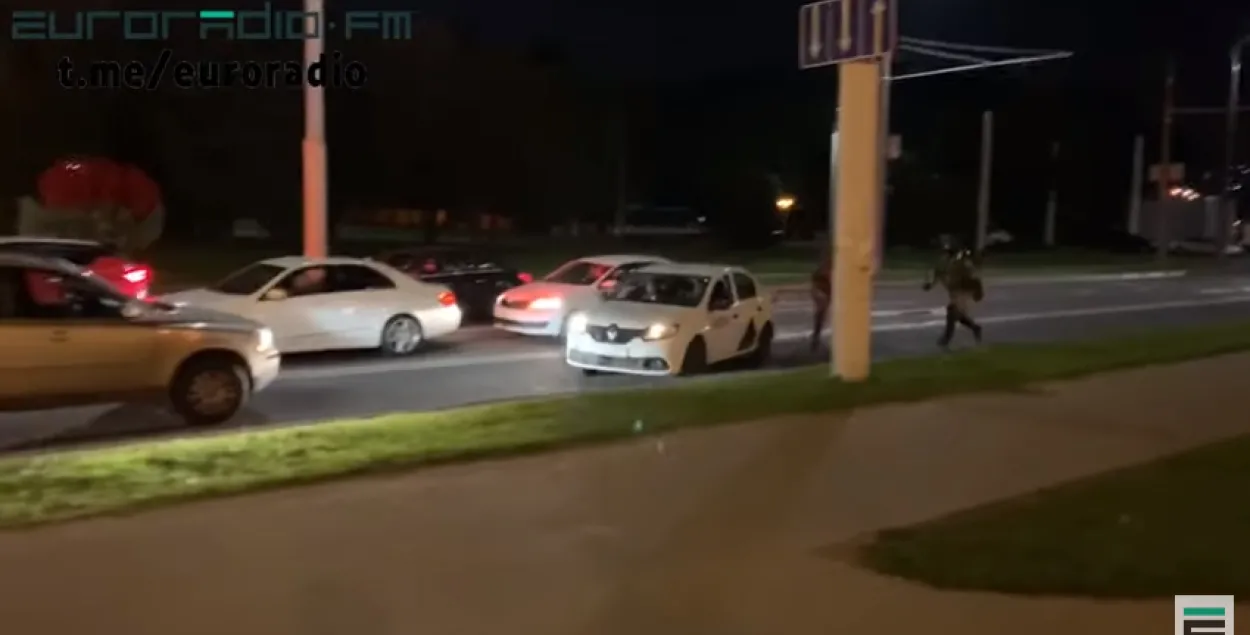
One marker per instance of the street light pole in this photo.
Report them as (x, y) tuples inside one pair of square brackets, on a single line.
[(1230, 137), (316, 234)]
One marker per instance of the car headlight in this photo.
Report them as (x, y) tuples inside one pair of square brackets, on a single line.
[(546, 304), (577, 323), (659, 331), (264, 339)]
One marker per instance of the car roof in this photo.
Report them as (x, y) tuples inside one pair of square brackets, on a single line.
[(291, 262), (616, 260), (692, 268), (49, 240), (42, 262)]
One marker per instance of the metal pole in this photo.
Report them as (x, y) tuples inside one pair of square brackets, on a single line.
[(858, 185), (316, 234), (622, 174), (887, 66), (983, 192), (1135, 193), (1165, 165), (1052, 198), (1226, 205)]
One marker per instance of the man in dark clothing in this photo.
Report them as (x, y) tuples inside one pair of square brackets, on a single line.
[(822, 295), (957, 272)]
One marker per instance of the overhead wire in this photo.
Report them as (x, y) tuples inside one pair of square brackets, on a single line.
[(957, 57), (973, 48)]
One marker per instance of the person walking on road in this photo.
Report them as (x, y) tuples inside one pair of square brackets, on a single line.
[(957, 272), (822, 295)]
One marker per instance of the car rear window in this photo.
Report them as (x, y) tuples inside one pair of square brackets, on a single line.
[(79, 254)]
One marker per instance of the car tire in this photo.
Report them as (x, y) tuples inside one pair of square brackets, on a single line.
[(210, 390), (402, 335), (694, 361), (763, 347)]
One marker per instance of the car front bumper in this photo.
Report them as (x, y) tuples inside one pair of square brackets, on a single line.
[(265, 367), (653, 359), (529, 322)]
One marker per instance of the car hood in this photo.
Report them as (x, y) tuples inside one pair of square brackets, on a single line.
[(195, 317), (636, 315), (206, 298), (535, 290)]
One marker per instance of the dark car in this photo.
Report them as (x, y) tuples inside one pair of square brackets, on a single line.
[(475, 279)]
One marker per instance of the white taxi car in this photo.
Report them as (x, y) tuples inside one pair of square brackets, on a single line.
[(543, 307), (324, 304), (673, 319)]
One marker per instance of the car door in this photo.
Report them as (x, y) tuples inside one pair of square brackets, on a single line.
[(751, 310), (66, 341), (481, 280), (724, 321), (362, 299), (297, 309)]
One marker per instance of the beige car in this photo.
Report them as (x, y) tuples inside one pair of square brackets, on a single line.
[(69, 339)]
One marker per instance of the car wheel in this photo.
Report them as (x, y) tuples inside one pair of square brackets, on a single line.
[(401, 336), (695, 360), (210, 390), (763, 347)]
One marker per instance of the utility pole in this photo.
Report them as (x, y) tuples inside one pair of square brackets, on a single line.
[(1052, 198), (1165, 163), (983, 192), (1230, 142), (1135, 188), (316, 230)]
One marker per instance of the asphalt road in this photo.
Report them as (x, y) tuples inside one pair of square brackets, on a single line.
[(479, 364)]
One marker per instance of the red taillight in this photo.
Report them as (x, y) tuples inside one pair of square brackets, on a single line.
[(525, 278), (136, 274), (447, 298)]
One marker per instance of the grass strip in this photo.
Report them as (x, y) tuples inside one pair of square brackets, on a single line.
[(1177, 525), (64, 485)]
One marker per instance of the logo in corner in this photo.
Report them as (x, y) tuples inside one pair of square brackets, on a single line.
[(1204, 614)]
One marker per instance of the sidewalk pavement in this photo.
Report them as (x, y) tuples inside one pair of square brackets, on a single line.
[(738, 530)]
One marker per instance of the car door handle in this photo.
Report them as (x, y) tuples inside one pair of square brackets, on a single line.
[(60, 336), (735, 316)]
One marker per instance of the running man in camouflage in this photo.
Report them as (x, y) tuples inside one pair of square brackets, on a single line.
[(958, 274)]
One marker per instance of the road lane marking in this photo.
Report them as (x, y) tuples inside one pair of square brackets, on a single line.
[(455, 361)]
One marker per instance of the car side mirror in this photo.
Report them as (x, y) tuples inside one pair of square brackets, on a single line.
[(719, 304), (607, 285), (274, 295)]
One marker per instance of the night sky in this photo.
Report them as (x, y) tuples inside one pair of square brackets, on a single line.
[(702, 37)]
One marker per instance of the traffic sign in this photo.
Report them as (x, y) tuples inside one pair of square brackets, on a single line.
[(836, 31)]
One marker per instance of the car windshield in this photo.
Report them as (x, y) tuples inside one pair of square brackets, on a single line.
[(660, 288), (248, 280), (581, 272)]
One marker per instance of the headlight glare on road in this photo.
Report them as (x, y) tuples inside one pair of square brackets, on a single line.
[(546, 304), (659, 331), (264, 340), (577, 323)]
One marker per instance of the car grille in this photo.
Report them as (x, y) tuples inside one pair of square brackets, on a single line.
[(622, 336), (514, 304)]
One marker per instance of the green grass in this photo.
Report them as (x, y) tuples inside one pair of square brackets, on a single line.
[(72, 484), (1178, 525)]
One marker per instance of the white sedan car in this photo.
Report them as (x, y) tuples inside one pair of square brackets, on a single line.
[(543, 307), (673, 319), (323, 304)]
